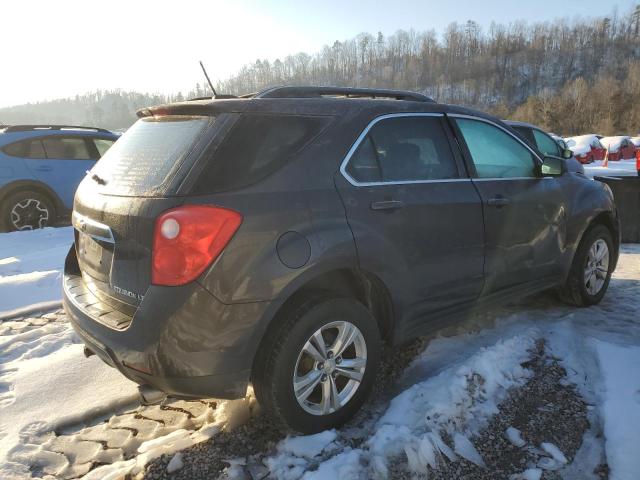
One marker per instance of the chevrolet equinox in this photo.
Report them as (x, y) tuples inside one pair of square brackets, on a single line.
[(279, 238)]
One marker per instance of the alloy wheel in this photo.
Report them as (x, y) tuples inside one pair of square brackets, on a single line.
[(597, 267), (29, 214), (330, 368)]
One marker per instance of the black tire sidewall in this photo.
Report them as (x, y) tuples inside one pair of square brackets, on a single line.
[(596, 233), (281, 369), (14, 198)]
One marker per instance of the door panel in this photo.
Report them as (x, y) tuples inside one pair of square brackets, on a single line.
[(417, 225), (430, 252), (525, 232), (524, 213)]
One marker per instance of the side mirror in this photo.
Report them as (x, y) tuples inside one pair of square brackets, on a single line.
[(553, 166), (567, 154)]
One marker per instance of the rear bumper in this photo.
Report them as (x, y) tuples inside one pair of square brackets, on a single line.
[(180, 340)]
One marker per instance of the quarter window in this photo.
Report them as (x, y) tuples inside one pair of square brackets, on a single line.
[(403, 149), (257, 146), (66, 148), (495, 153), (26, 149)]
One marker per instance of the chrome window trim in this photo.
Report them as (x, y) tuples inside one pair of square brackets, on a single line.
[(356, 144), (495, 179)]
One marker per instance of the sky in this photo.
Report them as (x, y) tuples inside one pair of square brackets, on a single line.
[(54, 49)]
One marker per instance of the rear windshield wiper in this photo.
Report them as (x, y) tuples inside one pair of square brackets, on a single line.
[(97, 178)]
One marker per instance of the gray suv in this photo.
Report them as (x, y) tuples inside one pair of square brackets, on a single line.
[(277, 239)]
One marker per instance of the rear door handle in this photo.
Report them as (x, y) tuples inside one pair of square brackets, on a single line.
[(498, 201), (387, 205), (43, 168)]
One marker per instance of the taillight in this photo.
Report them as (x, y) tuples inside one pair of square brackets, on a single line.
[(188, 239)]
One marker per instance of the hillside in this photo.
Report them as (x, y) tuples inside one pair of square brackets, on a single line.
[(569, 76)]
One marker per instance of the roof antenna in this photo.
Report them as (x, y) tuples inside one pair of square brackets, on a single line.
[(208, 80)]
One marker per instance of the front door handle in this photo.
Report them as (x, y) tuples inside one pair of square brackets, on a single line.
[(44, 168), (498, 201), (387, 205)]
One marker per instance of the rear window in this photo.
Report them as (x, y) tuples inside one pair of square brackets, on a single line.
[(144, 158), (257, 146)]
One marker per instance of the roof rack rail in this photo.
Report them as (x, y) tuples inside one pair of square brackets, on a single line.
[(24, 128), (349, 92)]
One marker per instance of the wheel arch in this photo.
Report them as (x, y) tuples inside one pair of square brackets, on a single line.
[(608, 220), (37, 186), (350, 281)]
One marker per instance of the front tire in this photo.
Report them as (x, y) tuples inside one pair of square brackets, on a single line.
[(26, 210), (591, 270), (316, 370)]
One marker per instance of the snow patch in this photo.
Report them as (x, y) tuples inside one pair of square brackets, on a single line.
[(464, 448), (308, 446), (529, 474), (515, 437), (31, 264), (621, 407), (175, 463)]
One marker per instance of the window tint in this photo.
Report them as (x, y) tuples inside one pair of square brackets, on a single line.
[(144, 157), (404, 149), (102, 145), (495, 153), (66, 148), (546, 144), (26, 149), (257, 146)]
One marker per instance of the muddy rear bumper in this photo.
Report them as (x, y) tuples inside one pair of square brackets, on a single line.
[(180, 340)]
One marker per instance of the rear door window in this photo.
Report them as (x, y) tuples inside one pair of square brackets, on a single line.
[(257, 146), (66, 148), (404, 149)]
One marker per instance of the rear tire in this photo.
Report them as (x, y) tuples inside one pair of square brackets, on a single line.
[(329, 386), (26, 210), (591, 270)]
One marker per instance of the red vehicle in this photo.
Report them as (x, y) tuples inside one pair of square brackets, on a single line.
[(586, 148), (620, 148)]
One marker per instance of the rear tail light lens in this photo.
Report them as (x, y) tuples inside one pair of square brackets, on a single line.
[(188, 239)]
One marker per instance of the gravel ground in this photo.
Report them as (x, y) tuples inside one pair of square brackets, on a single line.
[(546, 409), (259, 436)]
